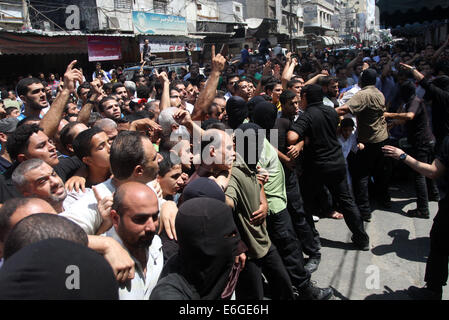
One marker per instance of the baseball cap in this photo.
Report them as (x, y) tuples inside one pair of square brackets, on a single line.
[(8, 125)]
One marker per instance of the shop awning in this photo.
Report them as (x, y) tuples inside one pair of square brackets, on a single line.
[(401, 12), (13, 43), (394, 6)]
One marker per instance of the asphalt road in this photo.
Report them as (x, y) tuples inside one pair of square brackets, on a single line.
[(397, 258)]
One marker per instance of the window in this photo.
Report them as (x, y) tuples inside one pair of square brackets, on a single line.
[(122, 4), (284, 20), (160, 6), (237, 9)]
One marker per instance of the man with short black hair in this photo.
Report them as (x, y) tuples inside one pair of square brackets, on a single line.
[(132, 158), (109, 108), (120, 91), (368, 105), (28, 142), (7, 126), (324, 164), (92, 148), (42, 226)]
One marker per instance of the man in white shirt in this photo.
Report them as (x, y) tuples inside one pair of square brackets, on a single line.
[(133, 158), (135, 217)]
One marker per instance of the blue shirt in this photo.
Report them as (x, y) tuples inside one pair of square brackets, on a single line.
[(244, 56)]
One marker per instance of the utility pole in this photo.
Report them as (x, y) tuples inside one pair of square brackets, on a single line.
[(290, 26), (25, 13)]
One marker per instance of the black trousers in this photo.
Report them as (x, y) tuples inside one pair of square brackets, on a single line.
[(308, 236), (370, 162), (437, 262), (280, 230), (337, 184), (423, 186), (250, 286)]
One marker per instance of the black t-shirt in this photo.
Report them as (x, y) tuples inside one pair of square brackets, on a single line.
[(283, 125), (443, 182), (323, 152), (440, 109), (418, 130)]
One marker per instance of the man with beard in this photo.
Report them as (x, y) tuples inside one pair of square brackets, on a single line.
[(330, 89), (35, 178), (135, 217)]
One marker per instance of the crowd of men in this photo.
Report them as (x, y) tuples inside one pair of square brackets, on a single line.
[(208, 184)]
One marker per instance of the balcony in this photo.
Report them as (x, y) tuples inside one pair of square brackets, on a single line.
[(11, 14)]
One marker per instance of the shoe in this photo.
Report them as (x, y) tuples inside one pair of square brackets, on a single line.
[(310, 292), (415, 213), (360, 246), (315, 218), (423, 294), (312, 264)]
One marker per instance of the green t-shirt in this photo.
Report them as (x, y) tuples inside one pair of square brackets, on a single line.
[(244, 190), (275, 187)]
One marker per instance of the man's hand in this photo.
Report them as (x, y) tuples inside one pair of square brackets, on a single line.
[(258, 217), (157, 187), (293, 151), (76, 183), (241, 259), (267, 69), (182, 117), (392, 152), (97, 89), (120, 260), (71, 76), (104, 206), (162, 77), (218, 61), (167, 218), (277, 71), (146, 126)]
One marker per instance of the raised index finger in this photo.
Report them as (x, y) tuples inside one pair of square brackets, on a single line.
[(71, 64), (97, 195), (213, 51)]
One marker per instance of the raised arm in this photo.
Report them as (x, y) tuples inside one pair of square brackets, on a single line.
[(207, 96), (86, 110), (288, 72), (440, 50), (431, 171), (314, 80), (52, 118), (165, 99)]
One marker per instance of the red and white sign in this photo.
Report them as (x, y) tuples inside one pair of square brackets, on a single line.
[(104, 48)]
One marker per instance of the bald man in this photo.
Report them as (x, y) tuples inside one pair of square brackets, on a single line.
[(15, 209), (135, 217)]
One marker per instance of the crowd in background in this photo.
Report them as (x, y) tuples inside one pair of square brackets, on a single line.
[(206, 183)]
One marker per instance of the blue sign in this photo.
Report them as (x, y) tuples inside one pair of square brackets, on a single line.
[(158, 24)]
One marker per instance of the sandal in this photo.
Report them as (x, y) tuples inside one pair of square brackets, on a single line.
[(335, 215)]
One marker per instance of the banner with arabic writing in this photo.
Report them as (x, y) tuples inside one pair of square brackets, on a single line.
[(159, 24)]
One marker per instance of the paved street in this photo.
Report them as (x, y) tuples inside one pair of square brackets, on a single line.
[(398, 252)]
